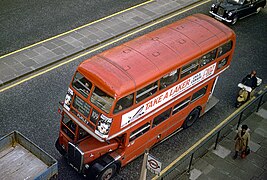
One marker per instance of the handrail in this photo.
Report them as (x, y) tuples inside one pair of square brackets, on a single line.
[(216, 131)]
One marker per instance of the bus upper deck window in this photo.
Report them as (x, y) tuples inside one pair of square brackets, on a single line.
[(189, 68), (81, 84), (102, 100), (169, 79), (146, 91), (210, 56), (225, 48), (124, 103)]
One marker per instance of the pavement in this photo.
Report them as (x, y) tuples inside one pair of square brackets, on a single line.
[(219, 164), (37, 56)]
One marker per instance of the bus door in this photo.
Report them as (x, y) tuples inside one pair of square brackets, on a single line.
[(213, 87), (137, 142), (159, 127), (212, 100)]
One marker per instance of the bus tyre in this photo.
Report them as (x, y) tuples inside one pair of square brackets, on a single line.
[(108, 173), (191, 118)]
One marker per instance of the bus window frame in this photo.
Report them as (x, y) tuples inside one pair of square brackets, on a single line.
[(203, 62), (220, 65), (164, 85), (188, 70), (86, 89), (199, 96), (162, 117), (139, 131), (148, 91), (181, 105), (98, 104), (221, 51), (64, 125), (118, 105)]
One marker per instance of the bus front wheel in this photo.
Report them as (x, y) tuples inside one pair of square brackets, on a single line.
[(108, 173), (191, 118)]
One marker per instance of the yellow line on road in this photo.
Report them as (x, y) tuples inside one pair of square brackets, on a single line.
[(62, 34), (105, 45)]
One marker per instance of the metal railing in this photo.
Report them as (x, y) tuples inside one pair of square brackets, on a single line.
[(184, 162)]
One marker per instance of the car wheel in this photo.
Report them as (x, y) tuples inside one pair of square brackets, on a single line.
[(234, 20), (191, 118), (258, 9), (108, 173)]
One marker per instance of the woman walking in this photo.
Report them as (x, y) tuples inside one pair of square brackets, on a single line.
[(242, 139)]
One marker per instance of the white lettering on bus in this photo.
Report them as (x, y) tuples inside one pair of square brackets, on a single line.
[(167, 95)]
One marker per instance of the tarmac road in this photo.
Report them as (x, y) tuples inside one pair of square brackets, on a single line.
[(31, 107)]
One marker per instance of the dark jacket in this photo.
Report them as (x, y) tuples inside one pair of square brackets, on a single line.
[(250, 81)]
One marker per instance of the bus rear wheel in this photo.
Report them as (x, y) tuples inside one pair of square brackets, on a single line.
[(191, 118), (108, 173)]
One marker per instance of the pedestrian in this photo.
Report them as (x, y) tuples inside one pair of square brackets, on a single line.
[(242, 139)]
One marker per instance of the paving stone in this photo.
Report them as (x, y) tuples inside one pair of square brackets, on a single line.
[(2, 65), (31, 53), (256, 159), (49, 45), (254, 146), (7, 71), (262, 151), (201, 164), (76, 35), (50, 55), (208, 169), (67, 47), (68, 39), (21, 57), (58, 42), (251, 167), (216, 174), (257, 138), (194, 174), (101, 25), (41, 50), (39, 59), (24, 71), (263, 176), (8, 61), (261, 131), (262, 113), (138, 19), (59, 51), (18, 67), (221, 151), (146, 11), (76, 43), (29, 63)]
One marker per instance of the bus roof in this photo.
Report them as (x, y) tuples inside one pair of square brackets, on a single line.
[(125, 68)]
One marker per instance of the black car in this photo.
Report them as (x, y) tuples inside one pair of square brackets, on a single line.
[(232, 10)]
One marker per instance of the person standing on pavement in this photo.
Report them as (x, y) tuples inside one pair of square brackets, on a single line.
[(242, 139)]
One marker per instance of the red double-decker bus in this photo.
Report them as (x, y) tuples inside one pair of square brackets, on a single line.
[(126, 99)]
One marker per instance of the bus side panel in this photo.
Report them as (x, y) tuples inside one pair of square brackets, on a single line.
[(135, 148)]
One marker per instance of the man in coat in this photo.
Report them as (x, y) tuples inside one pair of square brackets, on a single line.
[(242, 139)]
